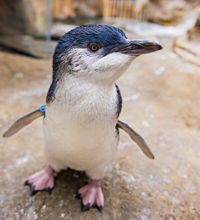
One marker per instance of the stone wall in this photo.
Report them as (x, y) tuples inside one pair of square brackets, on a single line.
[(170, 12), (17, 17)]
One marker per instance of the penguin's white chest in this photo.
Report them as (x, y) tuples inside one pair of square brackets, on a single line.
[(80, 130)]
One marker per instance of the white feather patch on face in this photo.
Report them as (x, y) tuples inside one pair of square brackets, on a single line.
[(99, 68)]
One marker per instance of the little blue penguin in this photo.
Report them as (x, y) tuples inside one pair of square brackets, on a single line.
[(83, 103)]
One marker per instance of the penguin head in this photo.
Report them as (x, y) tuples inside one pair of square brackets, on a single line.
[(98, 53)]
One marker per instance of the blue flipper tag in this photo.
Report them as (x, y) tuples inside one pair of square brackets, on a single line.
[(42, 107)]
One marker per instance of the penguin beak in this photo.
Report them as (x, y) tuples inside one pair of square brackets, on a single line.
[(139, 47)]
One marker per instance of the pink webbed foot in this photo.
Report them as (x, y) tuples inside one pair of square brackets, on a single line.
[(42, 180), (91, 195)]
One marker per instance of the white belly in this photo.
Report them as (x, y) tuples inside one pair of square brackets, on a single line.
[(79, 147), (82, 136)]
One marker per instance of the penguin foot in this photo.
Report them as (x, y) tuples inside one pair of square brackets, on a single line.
[(42, 180), (91, 195)]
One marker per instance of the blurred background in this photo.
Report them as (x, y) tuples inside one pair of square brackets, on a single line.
[(161, 101), (25, 24)]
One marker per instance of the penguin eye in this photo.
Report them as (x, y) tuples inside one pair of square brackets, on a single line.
[(93, 47)]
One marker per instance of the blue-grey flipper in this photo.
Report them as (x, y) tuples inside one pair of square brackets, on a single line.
[(136, 138), (22, 122)]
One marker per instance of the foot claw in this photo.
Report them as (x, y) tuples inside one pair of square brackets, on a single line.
[(78, 196), (26, 183), (100, 208), (33, 191), (49, 190), (85, 207)]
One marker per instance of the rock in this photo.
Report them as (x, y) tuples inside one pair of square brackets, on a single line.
[(150, 29), (23, 17), (188, 50), (170, 217), (169, 12), (188, 45), (27, 45), (194, 33), (58, 30), (17, 17), (90, 9), (39, 8), (77, 9)]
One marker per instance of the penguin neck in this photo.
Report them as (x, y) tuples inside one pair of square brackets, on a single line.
[(65, 84), (68, 81), (70, 87)]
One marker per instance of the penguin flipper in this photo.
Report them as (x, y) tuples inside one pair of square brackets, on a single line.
[(136, 138), (22, 122)]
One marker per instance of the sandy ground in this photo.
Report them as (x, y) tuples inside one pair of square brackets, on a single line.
[(161, 101)]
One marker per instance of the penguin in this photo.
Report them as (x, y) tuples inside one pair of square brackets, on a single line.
[(83, 104)]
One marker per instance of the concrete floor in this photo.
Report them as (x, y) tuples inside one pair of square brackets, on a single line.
[(161, 96)]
